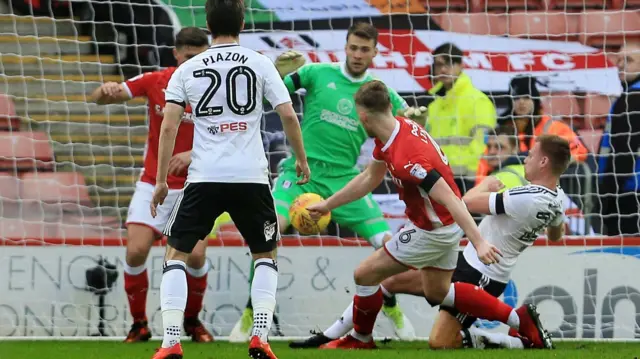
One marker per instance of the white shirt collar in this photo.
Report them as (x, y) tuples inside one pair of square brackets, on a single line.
[(345, 72), (393, 136)]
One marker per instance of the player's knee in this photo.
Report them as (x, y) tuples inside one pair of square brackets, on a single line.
[(438, 341), (434, 298), (137, 253), (365, 276)]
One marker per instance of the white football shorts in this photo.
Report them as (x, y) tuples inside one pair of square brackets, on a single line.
[(140, 207), (417, 248)]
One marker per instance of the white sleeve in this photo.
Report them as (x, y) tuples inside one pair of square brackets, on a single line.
[(275, 90), (516, 203), (176, 92)]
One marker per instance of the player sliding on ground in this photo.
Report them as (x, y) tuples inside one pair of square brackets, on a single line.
[(429, 243), (225, 87), (333, 138), (515, 219), (142, 229)]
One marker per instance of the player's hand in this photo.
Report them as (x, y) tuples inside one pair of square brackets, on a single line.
[(111, 89), (488, 253), (159, 194), (316, 211), (302, 170), (289, 62), (492, 184), (179, 163), (418, 114)]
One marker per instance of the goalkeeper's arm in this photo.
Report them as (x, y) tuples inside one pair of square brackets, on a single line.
[(360, 186)]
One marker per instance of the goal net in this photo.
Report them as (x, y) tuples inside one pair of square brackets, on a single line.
[(69, 167)]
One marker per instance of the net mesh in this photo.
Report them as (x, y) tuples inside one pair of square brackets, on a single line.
[(69, 167)]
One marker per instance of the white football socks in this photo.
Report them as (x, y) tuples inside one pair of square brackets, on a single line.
[(263, 296), (173, 300), (501, 339), (341, 326)]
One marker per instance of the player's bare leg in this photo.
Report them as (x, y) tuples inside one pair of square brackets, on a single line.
[(263, 298), (368, 300), (445, 333), (241, 331), (197, 270), (140, 238)]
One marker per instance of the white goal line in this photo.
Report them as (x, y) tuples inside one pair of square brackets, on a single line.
[(282, 339)]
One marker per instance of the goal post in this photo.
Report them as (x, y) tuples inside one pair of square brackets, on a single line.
[(69, 167)]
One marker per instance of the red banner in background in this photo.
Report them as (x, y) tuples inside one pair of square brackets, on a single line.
[(405, 58)]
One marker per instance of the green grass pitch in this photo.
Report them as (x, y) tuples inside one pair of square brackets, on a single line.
[(224, 350)]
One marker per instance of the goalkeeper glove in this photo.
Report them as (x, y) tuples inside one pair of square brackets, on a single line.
[(289, 62), (418, 114)]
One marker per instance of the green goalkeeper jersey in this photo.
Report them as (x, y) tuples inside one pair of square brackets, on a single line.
[(331, 130)]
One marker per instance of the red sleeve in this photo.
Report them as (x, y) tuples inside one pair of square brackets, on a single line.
[(415, 169), (138, 86)]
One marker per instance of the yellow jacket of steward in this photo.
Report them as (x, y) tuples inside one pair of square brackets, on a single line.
[(458, 120)]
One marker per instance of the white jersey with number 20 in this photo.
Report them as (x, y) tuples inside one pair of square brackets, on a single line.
[(225, 87), (518, 217)]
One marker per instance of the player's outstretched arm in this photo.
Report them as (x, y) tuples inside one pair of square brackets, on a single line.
[(360, 186), (478, 198), (109, 93), (442, 193), (291, 127)]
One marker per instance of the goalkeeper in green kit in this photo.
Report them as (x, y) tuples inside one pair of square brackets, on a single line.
[(333, 137)]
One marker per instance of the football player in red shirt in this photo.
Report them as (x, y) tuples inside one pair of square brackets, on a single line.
[(142, 228), (429, 243)]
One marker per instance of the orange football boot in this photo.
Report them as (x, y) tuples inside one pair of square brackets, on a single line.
[(139, 332), (196, 330), (175, 352), (349, 342), (259, 349)]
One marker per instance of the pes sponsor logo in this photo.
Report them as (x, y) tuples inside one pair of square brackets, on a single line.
[(228, 127)]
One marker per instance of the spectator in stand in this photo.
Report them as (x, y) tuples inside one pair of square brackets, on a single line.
[(460, 116), (525, 114), (502, 152), (619, 162)]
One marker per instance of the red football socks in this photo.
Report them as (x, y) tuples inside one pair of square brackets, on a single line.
[(136, 287), (365, 311), (473, 300), (197, 287)]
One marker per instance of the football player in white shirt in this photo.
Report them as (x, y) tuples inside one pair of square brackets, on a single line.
[(225, 86), (515, 219)]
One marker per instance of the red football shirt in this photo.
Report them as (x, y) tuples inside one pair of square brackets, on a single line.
[(152, 86), (411, 156)]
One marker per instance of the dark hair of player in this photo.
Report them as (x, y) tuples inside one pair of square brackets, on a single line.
[(225, 17), (192, 37), (450, 53), (373, 96), (363, 30), (557, 150)]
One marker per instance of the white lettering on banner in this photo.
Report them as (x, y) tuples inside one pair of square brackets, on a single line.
[(556, 61), (581, 292), (389, 59), (581, 67), (520, 62), (477, 60)]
